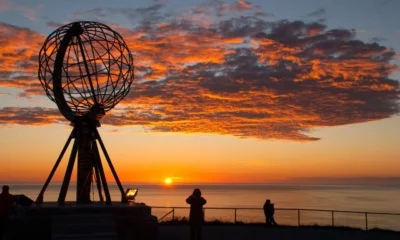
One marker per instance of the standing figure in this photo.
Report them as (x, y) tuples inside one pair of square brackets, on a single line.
[(6, 202), (196, 216), (269, 211)]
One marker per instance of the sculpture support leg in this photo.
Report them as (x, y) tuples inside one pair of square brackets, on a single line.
[(87, 152), (101, 173), (84, 168), (121, 189), (98, 182), (68, 172), (39, 199)]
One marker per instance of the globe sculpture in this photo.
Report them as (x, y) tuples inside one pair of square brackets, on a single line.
[(86, 68)]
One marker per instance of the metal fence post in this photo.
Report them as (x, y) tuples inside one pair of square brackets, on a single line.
[(366, 221), (235, 215), (173, 213), (298, 217), (333, 219)]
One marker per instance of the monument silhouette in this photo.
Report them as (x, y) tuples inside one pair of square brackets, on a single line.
[(86, 68)]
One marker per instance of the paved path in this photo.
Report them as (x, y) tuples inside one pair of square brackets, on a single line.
[(232, 232)]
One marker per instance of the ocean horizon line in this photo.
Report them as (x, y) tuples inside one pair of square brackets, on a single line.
[(393, 183)]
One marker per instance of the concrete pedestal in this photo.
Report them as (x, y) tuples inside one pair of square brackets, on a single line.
[(92, 221)]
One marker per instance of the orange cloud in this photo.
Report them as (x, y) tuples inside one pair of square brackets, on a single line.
[(242, 76), (18, 62)]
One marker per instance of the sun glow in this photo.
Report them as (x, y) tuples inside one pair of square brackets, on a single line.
[(168, 181)]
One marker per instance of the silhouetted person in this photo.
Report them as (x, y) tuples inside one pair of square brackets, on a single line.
[(196, 216), (6, 202), (269, 211)]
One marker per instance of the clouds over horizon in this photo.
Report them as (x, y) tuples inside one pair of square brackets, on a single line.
[(227, 70)]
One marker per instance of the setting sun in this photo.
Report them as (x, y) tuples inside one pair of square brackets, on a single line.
[(168, 181)]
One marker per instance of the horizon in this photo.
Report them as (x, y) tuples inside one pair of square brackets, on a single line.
[(225, 91), (363, 181)]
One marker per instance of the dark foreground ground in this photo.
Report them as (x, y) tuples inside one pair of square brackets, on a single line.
[(258, 232)]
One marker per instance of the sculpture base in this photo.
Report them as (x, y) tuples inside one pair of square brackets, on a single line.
[(93, 221)]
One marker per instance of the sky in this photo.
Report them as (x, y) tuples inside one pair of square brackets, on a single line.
[(224, 91)]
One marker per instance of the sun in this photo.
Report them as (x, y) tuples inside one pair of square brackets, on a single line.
[(168, 181)]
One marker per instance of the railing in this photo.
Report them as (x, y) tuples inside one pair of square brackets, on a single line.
[(301, 217)]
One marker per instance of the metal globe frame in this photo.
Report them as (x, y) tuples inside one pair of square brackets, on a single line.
[(86, 68)]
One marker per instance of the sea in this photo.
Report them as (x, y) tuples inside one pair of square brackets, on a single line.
[(360, 206)]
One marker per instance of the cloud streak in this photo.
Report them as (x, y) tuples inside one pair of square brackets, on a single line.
[(234, 74), (27, 12), (29, 116)]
